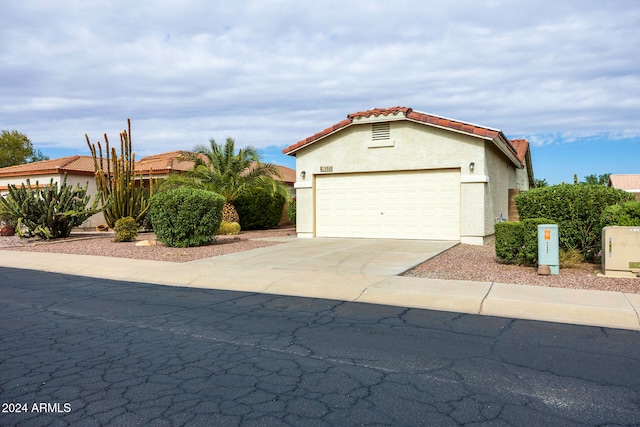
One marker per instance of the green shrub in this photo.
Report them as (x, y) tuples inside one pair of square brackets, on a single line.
[(292, 211), (259, 209), (50, 211), (577, 210), (570, 258), (625, 214), (126, 229), (227, 228), (530, 237), (509, 240), (186, 217), (517, 242)]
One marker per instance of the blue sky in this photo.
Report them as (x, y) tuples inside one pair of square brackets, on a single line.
[(563, 74)]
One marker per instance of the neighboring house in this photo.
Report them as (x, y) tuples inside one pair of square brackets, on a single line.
[(626, 182), (400, 173), (80, 170)]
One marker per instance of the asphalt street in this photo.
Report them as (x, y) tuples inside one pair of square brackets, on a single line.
[(82, 351)]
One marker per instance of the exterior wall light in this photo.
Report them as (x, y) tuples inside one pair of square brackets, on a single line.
[(472, 166), (303, 174)]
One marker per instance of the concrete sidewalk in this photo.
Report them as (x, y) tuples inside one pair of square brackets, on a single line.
[(378, 284)]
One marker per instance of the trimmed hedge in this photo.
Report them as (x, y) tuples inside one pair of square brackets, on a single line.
[(259, 209), (625, 214), (186, 217), (577, 209), (517, 242), (509, 240)]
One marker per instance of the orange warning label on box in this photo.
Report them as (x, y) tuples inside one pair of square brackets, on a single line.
[(547, 234)]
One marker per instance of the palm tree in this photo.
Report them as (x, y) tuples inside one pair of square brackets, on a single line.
[(539, 183), (219, 168)]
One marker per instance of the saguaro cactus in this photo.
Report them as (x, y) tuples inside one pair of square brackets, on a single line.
[(118, 183)]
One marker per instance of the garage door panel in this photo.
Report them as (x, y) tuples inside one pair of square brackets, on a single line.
[(407, 204)]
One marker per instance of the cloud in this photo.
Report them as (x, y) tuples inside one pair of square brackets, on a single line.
[(273, 72)]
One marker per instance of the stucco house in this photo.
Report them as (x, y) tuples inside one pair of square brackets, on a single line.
[(400, 173), (627, 182), (80, 170)]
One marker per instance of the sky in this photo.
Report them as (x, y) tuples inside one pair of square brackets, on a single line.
[(563, 74)]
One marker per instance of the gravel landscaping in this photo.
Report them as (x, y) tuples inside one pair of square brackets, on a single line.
[(462, 262), (478, 263), (101, 244)]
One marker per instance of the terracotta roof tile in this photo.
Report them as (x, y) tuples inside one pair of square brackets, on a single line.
[(380, 112), (521, 146), (409, 113)]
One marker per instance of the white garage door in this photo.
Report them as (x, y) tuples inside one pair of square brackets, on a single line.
[(401, 205)]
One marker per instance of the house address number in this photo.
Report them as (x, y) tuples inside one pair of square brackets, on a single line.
[(326, 168)]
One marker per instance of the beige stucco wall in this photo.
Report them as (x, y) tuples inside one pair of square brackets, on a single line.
[(415, 146), (73, 180)]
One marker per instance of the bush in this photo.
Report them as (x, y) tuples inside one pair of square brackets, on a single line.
[(509, 240), (126, 229), (570, 258), (625, 214), (227, 228), (259, 209), (186, 217), (292, 211), (530, 237), (517, 242), (577, 210)]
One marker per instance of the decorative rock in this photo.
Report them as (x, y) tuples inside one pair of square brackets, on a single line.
[(7, 230), (146, 243), (544, 270)]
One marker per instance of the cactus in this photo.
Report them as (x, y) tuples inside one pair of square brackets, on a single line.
[(49, 212), (118, 183)]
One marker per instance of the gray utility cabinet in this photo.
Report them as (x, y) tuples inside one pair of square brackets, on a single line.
[(621, 251)]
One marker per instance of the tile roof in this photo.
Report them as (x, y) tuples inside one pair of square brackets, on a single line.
[(78, 165), (410, 114), (625, 181), (521, 146), (159, 164)]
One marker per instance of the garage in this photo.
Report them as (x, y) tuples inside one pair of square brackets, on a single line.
[(416, 204), (400, 173)]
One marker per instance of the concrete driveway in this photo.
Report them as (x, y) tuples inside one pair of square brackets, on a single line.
[(375, 257)]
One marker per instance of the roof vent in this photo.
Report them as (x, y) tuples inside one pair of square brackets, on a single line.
[(381, 131)]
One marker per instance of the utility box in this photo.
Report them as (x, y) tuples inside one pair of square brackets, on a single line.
[(548, 247), (621, 251)]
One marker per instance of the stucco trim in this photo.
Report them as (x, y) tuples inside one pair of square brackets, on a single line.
[(465, 179), (303, 184)]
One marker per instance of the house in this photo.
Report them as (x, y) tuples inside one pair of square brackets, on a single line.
[(80, 170), (626, 182), (400, 173)]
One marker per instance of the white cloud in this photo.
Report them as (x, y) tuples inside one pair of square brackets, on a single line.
[(273, 72)]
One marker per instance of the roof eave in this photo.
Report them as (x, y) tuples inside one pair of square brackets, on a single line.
[(499, 141)]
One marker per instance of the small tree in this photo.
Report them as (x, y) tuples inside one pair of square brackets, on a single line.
[(541, 183), (597, 180), (118, 182), (230, 173), (17, 149)]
